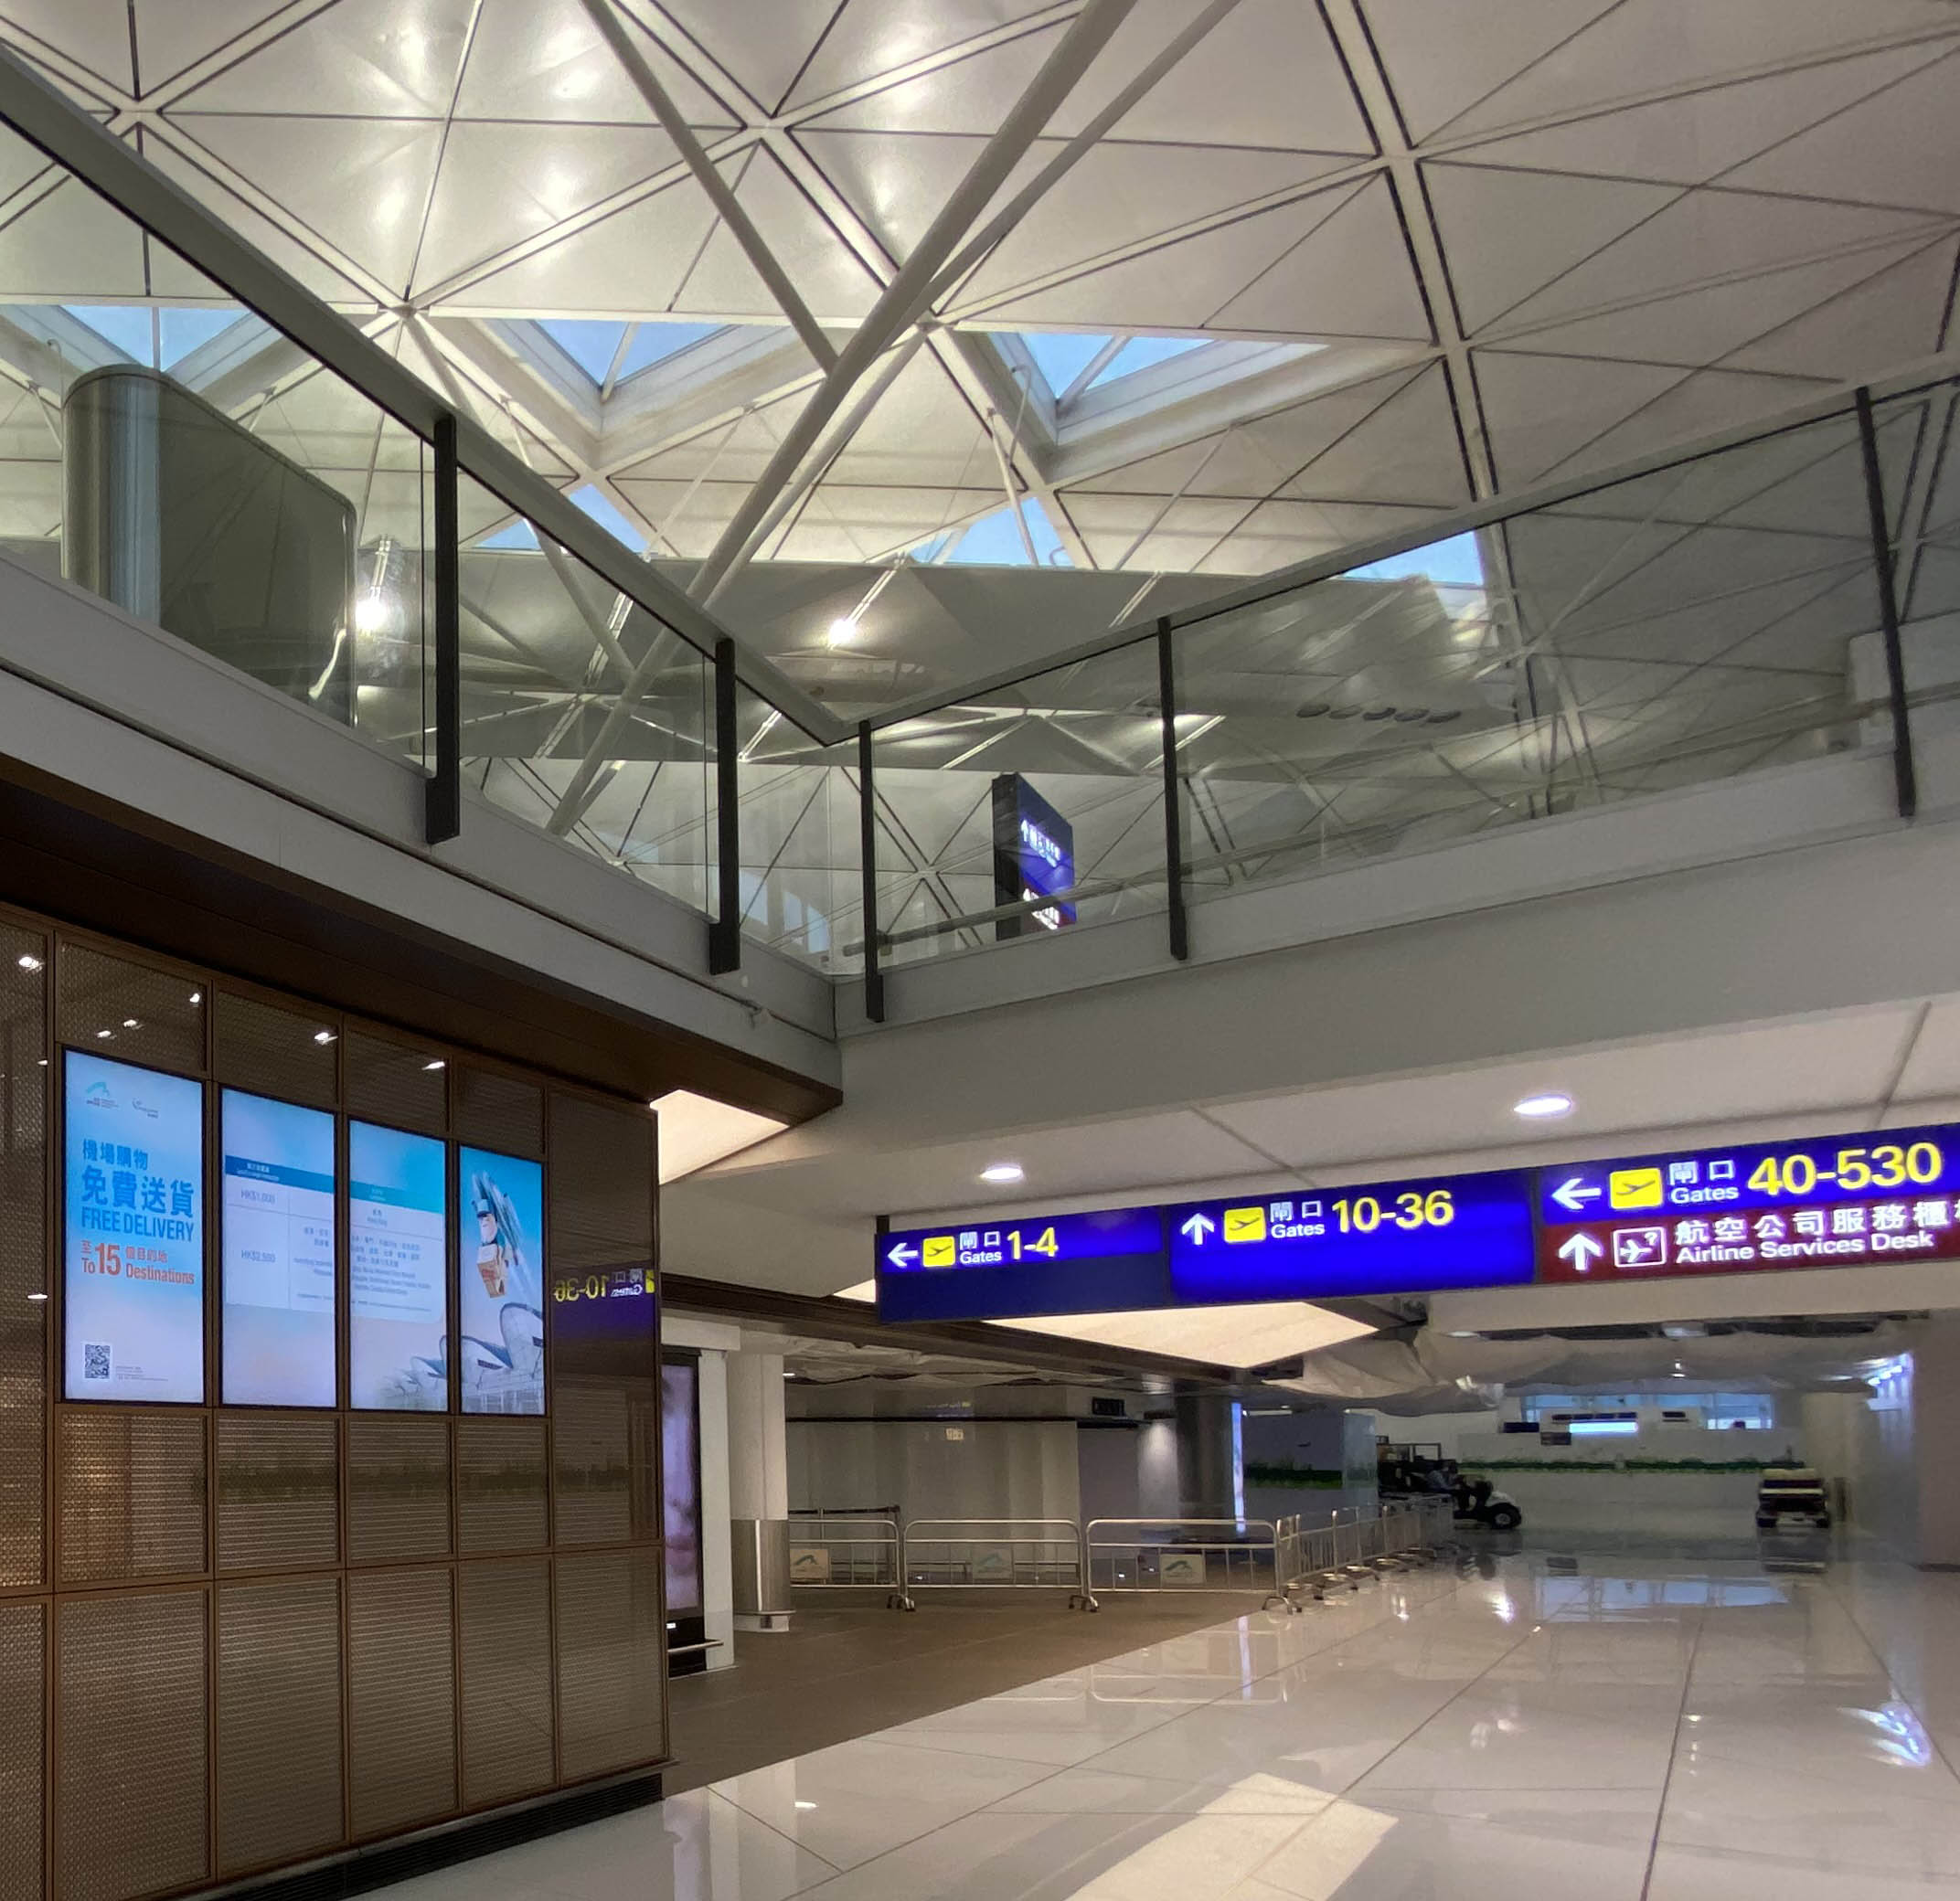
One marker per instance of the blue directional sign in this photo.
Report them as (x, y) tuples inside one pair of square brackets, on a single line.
[(1416, 1237), (1097, 1263)]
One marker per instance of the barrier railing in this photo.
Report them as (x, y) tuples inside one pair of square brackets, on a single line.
[(1171, 1555), (989, 1554), (1358, 1544), (843, 1551)]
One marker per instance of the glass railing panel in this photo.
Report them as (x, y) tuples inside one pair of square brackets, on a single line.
[(168, 450), (1923, 517), (1687, 626), (1024, 812), (802, 891), (547, 646)]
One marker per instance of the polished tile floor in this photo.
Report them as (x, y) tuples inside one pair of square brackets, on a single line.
[(1649, 1727)]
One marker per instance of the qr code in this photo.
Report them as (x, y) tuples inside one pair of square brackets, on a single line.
[(94, 1360)]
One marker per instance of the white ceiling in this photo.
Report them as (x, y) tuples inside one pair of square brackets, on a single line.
[(1527, 237)]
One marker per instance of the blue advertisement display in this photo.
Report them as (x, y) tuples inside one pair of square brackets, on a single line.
[(397, 1278), (1071, 1263), (278, 1269), (133, 1249), (1408, 1237), (502, 1316)]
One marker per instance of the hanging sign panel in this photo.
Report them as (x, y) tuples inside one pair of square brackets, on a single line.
[(133, 1233), (1835, 1202), (1843, 1201)]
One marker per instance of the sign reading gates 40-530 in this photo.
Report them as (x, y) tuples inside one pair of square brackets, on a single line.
[(1837, 1201)]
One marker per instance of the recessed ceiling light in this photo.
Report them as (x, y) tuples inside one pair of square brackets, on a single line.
[(438, 1063), (36, 1297), (323, 1035), (130, 1023), (27, 961), (104, 1036), (197, 997), (1002, 1171), (1551, 1102)]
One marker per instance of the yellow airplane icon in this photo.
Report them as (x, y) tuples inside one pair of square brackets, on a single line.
[(1245, 1224), (940, 1251), (1634, 1188)]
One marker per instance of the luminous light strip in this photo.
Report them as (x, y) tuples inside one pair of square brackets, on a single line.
[(697, 1132)]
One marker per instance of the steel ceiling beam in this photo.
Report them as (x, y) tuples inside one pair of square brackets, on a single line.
[(900, 304), (721, 195)]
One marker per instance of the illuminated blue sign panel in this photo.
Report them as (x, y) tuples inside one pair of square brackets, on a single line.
[(133, 1233), (1841, 1201), (1405, 1237), (992, 1270), (1835, 1202), (1034, 856), (277, 1252), (503, 1305)]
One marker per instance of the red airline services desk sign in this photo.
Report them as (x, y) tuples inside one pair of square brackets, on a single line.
[(1844, 1201)]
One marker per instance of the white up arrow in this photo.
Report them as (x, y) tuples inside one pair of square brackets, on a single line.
[(1574, 1192), (1581, 1250), (1197, 1228), (902, 1256)]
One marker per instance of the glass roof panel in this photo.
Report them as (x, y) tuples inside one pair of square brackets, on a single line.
[(125, 325), (187, 330), (1062, 355), (1147, 353), (994, 541), (654, 343), (591, 342), (606, 513)]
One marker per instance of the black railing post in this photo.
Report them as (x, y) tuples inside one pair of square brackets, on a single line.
[(874, 978), (724, 929), (1905, 776), (1180, 939), (443, 801)]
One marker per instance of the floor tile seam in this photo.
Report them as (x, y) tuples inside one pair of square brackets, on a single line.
[(1342, 1793), (1674, 1754), (781, 1834)]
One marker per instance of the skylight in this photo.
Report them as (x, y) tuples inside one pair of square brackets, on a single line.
[(994, 541), (1072, 363), (1456, 563), (610, 352), (156, 336)]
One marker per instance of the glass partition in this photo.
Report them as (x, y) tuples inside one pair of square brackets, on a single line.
[(171, 452), (549, 731), (1027, 811), (802, 890), (1692, 624)]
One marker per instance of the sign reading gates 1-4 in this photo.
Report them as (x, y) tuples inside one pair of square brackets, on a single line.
[(1839, 1202), (1034, 856)]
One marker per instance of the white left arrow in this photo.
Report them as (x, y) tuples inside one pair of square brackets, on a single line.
[(1574, 1192), (902, 1256), (1582, 1250)]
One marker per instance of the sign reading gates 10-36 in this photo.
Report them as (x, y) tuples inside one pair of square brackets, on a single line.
[(1837, 1201)]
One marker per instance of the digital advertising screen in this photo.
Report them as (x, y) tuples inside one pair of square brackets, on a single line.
[(680, 1470), (133, 1215), (277, 1264), (398, 1270), (501, 1315)]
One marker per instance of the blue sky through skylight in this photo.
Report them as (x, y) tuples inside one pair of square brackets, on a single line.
[(994, 541), (128, 326), (592, 343), (1062, 355), (1456, 563), (654, 343)]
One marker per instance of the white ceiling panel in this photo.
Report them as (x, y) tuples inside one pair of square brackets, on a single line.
[(172, 35), (1842, 1063), (501, 185), (972, 92), (544, 60), (761, 45), (870, 38), (362, 185), (364, 59), (92, 32)]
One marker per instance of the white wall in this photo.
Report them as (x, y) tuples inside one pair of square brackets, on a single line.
[(1109, 1471), (992, 1469), (713, 1342)]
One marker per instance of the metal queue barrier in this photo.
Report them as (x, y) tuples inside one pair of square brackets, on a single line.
[(843, 1551), (989, 1554), (1178, 1555), (1287, 1560)]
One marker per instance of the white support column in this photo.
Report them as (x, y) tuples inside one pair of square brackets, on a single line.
[(718, 1590), (759, 1472)]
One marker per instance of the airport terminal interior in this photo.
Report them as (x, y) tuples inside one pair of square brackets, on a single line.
[(956, 950)]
